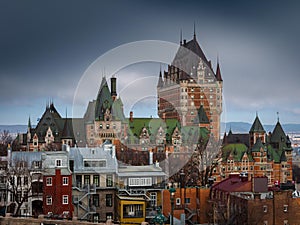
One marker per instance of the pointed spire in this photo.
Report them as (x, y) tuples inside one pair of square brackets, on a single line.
[(257, 126), (194, 31), (230, 131), (29, 122), (160, 80), (218, 71)]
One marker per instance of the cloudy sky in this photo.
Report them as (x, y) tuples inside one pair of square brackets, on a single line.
[(46, 47)]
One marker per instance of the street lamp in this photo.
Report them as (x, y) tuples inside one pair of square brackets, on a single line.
[(172, 191)]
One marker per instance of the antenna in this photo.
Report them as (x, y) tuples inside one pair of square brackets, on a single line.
[(277, 116)]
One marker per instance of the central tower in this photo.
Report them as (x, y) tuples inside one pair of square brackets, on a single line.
[(190, 90)]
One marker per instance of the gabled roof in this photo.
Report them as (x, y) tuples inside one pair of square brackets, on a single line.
[(152, 125), (257, 126), (236, 150), (201, 117)]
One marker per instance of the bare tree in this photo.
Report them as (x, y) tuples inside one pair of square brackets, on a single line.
[(5, 137), (200, 166), (23, 182)]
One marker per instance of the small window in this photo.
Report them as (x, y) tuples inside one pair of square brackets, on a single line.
[(65, 199), (265, 208), (286, 222), (187, 200), (107, 126), (265, 222), (58, 162), (285, 208), (49, 181), (65, 180), (100, 126), (49, 200), (178, 201)]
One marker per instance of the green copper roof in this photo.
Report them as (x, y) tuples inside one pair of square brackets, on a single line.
[(152, 125), (274, 154), (257, 126), (117, 110), (104, 100), (283, 157), (236, 150), (202, 117), (257, 146), (278, 134)]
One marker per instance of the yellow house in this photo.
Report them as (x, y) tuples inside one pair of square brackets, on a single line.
[(132, 210)]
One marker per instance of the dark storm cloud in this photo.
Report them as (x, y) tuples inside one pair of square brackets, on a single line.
[(45, 46)]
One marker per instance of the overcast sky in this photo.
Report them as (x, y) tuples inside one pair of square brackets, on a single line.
[(46, 47)]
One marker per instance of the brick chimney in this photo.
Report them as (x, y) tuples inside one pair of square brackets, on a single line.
[(131, 116)]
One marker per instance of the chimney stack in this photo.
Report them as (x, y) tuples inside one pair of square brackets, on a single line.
[(113, 87), (131, 116)]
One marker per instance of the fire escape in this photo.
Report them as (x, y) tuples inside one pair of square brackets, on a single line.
[(84, 201)]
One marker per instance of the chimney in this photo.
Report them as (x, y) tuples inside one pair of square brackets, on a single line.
[(113, 87), (151, 157), (131, 116), (184, 42)]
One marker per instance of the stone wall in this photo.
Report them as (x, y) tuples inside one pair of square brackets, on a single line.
[(42, 221)]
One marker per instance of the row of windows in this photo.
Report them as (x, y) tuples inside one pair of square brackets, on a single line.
[(143, 181), (65, 181), (65, 200)]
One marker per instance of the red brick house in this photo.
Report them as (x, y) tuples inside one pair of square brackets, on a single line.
[(57, 191)]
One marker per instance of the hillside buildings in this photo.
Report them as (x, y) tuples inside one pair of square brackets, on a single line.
[(108, 166)]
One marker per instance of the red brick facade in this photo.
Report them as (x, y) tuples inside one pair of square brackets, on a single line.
[(57, 198)]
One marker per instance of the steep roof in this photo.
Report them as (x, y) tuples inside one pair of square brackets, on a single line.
[(194, 46), (117, 110), (202, 117), (104, 100), (231, 138), (257, 146), (67, 131), (278, 134), (257, 126), (160, 80), (218, 73)]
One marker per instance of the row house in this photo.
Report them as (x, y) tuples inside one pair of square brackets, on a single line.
[(38, 183), (237, 201), (139, 192), (94, 182), (57, 185)]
